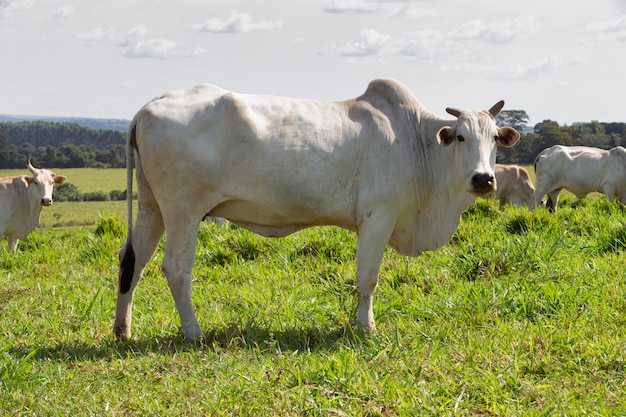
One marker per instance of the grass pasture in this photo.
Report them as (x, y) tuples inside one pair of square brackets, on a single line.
[(521, 314), (87, 180)]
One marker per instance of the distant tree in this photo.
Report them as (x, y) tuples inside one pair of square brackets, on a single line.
[(550, 133), (616, 128), (114, 157), (66, 192), (117, 195), (517, 119)]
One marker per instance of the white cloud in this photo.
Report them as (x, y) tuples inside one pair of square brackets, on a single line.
[(430, 43), (236, 23), (532, 70), (354, 6), (371, 43), (497, 31), (97, 34), (394, 8), (414, 11), (65, 11), (139, 45), (609, 32), (8, 8)]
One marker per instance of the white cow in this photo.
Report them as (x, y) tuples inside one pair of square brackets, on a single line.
[(580, 170), (379, 165), (21, 200), (514, 185)]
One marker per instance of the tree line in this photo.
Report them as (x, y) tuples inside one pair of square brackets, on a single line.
[(69, 145), (60, 145)]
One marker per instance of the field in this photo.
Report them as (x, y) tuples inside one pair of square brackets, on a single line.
[(521, 314), (87, 180)]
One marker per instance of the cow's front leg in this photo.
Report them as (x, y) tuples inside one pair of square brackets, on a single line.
[(13, 241), (374, 234)]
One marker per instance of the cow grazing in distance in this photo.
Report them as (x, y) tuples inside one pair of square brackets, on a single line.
[(379, 165), (514, 185), (580, 170), (21, 200)]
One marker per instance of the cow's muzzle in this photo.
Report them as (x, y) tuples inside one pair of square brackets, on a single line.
[(46, 202), (483, 184)]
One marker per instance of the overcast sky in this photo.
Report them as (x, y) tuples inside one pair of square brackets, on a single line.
[(562, 60)]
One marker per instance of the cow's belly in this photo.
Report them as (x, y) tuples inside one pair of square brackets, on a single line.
[(273, 220), (21, 227), (580, 187)]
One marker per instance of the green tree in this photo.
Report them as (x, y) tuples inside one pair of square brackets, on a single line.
[(517, 119), (550, 133), (66, 192)]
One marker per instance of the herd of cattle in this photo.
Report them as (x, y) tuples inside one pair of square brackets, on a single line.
[(380, 165)]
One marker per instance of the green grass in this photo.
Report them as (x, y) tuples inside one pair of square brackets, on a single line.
[(522, 314), (85, 213), (88, 180)]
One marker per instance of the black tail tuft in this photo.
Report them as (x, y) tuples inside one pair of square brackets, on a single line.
[(127, 268)]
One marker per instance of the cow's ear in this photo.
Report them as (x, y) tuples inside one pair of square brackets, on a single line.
[(59, 179), (507, 136), (28, 181), (446, 135)]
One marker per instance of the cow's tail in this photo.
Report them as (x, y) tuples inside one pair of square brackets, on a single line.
[(127, 265)]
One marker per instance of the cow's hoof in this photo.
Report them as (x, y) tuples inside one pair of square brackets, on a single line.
[(122, 333)]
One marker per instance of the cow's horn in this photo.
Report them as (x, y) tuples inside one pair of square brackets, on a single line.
[(495, 109), (453, 111), (29, 166)]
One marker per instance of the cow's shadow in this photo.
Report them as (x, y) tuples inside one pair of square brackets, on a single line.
[(231, 338)]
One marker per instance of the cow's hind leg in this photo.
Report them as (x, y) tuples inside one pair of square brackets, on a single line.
[(178, 260), (133, 258)]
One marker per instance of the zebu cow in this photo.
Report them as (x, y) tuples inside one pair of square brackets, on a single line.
[(580, 170), (379, 165), (21, 200), (514, 185)]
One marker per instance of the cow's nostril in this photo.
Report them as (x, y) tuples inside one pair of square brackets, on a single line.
[(46, 201)]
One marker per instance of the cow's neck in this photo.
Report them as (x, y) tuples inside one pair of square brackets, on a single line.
[(440, 195)]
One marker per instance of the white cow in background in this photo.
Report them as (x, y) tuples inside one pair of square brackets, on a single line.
[(379, 164), (514, 185), (580, 170), (21, 200)]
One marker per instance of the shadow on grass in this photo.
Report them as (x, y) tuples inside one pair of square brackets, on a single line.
[(233, 338)]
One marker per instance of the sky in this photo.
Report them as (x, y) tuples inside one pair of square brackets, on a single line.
[(561, 60)]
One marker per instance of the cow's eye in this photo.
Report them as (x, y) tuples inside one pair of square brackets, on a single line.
[(495, 138), (460, 138)]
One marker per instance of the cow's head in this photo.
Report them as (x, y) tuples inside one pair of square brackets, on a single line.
[(42, 183), (475, 135)]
